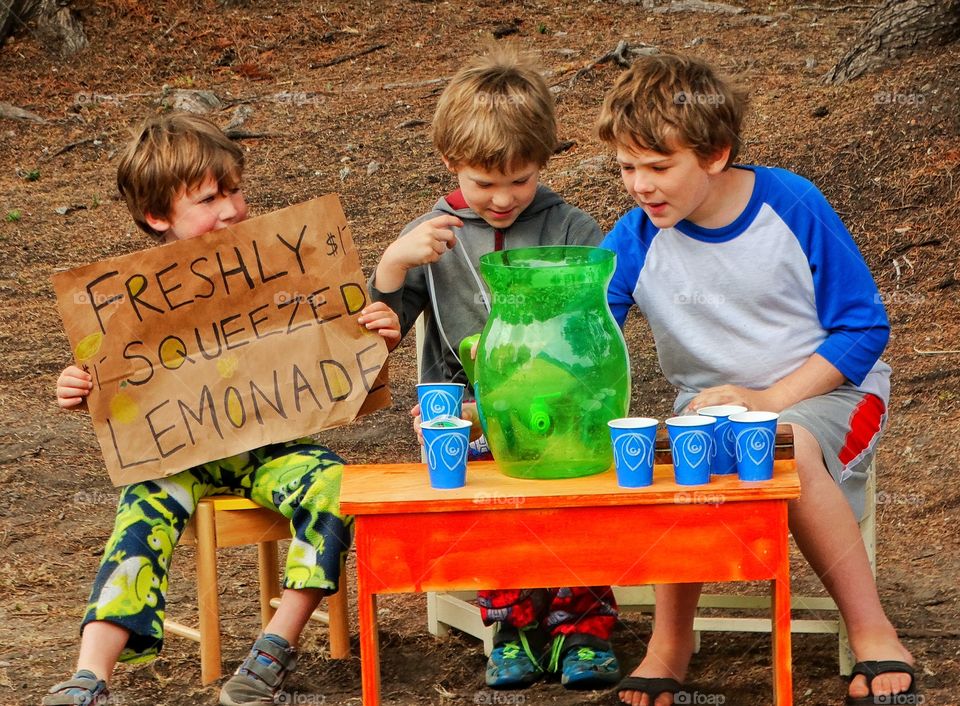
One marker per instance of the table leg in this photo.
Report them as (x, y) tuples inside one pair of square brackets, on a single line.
[(782, 666), (369, 642)]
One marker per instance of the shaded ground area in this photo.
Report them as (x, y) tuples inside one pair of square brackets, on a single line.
[(884, 149)]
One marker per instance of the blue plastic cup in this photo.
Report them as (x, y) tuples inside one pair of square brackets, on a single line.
[(439, 399), (633, 441), (446, 441), (756, 435), (725, 447), (691, 443)]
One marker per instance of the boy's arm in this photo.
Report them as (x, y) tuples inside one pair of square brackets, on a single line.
[(848, 306), (425, 243), (396, 282), (848, 303), (73, 386), (629, 261), (817, 376)]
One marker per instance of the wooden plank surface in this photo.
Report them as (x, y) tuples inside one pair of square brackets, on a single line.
[(404, 487)]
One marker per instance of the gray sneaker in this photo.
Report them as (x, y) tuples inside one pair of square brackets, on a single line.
[(82, 689), (260, 678)]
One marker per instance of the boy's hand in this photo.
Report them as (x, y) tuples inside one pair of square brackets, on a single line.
[(424, 244), (415, 413), (468, 412), (381, 318), (73, 386), (761, 400)]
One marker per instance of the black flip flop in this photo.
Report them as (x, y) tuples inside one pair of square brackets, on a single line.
[(651, 687), (874, 668)]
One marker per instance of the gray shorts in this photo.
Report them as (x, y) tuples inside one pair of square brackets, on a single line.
[(847, 424)]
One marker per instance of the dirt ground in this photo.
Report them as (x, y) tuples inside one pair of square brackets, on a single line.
[(885, 149)]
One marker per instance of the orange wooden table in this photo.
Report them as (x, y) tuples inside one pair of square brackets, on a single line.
[(500, 532)]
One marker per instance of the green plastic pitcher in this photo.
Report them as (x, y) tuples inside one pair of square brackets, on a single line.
[(551, 367)]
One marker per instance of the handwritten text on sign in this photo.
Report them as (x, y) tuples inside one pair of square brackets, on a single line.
[(209, 347)]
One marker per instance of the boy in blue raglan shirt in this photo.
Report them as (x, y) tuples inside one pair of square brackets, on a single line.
[(756, 295)]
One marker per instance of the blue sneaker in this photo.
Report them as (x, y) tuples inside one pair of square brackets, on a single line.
[(513, 663), (588, 667)]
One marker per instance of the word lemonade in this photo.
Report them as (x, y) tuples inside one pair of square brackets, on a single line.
[(242, 337)]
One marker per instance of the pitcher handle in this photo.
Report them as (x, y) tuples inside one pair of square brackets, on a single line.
[(467, 360)]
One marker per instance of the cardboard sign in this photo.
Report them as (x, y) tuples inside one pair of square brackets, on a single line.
[(205, 348)]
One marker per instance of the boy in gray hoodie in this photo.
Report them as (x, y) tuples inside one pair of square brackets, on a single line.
[(495, 129)]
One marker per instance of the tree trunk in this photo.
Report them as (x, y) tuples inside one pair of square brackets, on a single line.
[(57, 26), (896, 28)]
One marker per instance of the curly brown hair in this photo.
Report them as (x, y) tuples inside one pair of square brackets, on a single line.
[(496, 113), (170, 154), (667, 101)]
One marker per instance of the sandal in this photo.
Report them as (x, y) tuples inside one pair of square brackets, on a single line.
[(649, 686), (82, 689), (874, 668)]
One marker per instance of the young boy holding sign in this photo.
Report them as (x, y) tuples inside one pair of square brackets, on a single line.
[(756, 295), (181, 179)]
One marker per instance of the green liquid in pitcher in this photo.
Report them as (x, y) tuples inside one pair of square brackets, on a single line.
[(552, 365)]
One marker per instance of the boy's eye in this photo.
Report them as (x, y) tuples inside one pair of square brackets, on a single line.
[(521, 181), (660, 169)]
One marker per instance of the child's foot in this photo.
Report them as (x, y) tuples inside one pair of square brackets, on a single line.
[(662, 662), (515, 661), (82, 689), (589, 666), (260, 678), (886, 683)]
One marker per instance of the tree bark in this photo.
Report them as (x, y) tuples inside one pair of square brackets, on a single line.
[(898, 27), (57, 25)]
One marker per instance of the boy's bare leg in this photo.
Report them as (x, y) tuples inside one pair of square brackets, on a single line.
[(100, 646), (671, 645), (827, 533), (296, 606)]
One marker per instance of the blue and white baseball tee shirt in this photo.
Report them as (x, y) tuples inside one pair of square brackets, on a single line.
[(749, 303)]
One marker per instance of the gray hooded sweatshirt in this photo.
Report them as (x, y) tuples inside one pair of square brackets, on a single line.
[(459, 295)]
